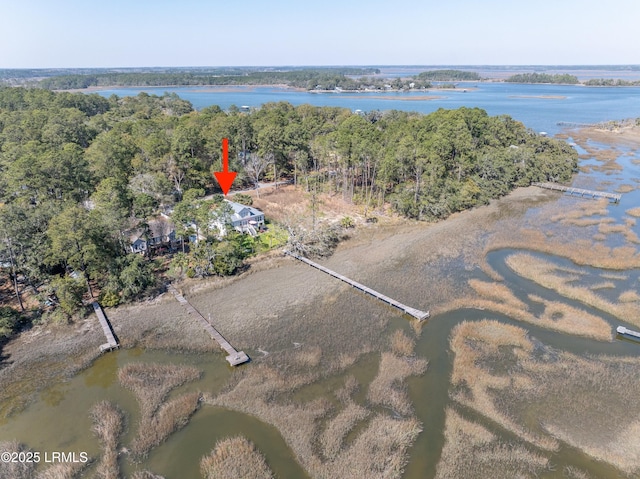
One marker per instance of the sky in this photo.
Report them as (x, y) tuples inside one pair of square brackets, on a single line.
[(145, 33)]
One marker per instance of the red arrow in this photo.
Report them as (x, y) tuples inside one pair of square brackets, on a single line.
[(225, 177)]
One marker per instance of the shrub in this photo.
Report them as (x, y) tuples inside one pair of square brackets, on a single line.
[(243, 199)]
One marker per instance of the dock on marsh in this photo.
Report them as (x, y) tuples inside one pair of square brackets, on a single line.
[(416, 313), (111, 343), (616, 197), (234, 357)]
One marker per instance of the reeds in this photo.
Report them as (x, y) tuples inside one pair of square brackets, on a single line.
[(471, 451), (151, 383), (590, 403), (545, 274), (18, 469), (235, 458), (635, 212), (107, 426), (387, 388), (401, 344), (317, 430), (337, 428), (64, 470)]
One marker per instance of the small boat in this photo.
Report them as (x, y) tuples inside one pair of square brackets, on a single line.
[(628, 333)]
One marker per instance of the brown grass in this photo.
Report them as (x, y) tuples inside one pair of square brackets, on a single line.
[(544, 273), (387, 388), (629, 296), (145, 475), (556, 316), (401, 344), (316, 430), (473, 343), (151, 383), (107, 426), (635, 212), (337, 428), (580, 251), (64, 470), (589, 403), (623, 229), (471, 451), (15, 470), (625, 189), (170, 417), (235, 458)]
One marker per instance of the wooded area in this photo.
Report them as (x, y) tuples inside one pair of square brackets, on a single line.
[(79, 171)]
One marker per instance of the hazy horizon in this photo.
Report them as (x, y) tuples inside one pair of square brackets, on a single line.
[(120, 34)]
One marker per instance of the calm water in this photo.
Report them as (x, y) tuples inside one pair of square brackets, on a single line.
[(59, 420), (540, 107)]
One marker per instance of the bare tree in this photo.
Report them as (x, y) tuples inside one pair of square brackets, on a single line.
[(255, 166)]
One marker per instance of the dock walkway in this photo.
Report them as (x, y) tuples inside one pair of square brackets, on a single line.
[(234, 357), (111, 343), (416, 313), (630, 333), (579, 191)]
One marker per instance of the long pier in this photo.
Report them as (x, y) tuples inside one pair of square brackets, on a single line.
[(416, 313), (579, 191), (234, 357), (629, 333), (111, 343)]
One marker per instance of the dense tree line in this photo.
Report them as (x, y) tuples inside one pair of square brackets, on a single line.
[(449, 75), (560, 78), (611, 82), (79, 171), (325, 78)]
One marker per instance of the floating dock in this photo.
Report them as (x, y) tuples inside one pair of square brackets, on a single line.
[(579, 191), (416, 313), (628, 333), (234, 357), (111, 343)]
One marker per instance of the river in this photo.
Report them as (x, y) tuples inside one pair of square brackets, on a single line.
[(59, 419)]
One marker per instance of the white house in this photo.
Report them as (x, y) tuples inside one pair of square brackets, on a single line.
[(243, 218)]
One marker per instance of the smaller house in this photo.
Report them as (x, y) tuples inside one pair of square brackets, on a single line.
[(245, 219)]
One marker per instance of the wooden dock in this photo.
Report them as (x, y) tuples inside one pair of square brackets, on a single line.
[(233, 357), (629, 333), (111, 343), (579, 191), (416, 313)]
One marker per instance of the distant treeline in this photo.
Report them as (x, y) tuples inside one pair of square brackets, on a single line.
[(309, 79), (611, 82), (449, 75), (563, 78)]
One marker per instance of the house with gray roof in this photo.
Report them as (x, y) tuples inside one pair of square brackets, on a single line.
[(245, 219)]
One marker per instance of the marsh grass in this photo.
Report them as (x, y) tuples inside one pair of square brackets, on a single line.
[(580, 251), (401, 344), (545, 274), (108, 422), (235, 458), (64, 470), (337, 428), (151, 383), (332, 438), (590, 403), (170, 417), (145, 475), (15, 470), (471, 451), (635, 212), (556, 316), (388, 388)]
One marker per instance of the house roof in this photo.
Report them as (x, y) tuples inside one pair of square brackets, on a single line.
[(243, 211)]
